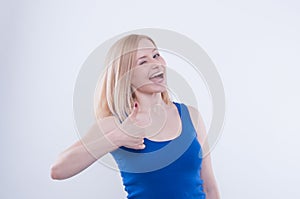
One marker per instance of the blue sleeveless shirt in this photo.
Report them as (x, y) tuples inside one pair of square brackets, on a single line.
[(164, 169)]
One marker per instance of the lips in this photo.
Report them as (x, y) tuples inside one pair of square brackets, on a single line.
[(159, 74)]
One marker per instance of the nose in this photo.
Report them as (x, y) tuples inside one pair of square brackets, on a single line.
[(156, 63), (157, 66)]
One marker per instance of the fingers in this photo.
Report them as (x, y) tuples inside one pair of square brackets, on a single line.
[(135, 143), (141, 144), (137, 147)]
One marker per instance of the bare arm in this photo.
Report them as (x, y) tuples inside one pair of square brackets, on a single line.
[(209, 182), (95, 143), (104, 136)]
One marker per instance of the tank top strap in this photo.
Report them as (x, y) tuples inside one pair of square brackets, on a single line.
[(187, 124)]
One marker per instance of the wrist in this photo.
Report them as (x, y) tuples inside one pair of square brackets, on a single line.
[(113, 138)]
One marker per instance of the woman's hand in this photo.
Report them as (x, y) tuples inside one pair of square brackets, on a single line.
[(131, 135)]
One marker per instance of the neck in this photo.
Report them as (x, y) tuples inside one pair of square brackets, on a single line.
[(148, 100)]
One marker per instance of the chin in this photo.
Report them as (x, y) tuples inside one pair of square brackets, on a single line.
[(152, 89)]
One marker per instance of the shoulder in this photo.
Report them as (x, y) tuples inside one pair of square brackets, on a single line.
[(198, 122), (194, 115)]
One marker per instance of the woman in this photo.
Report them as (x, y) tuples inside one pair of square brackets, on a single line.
[(155, 141)]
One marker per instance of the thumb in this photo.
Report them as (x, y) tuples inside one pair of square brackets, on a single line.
[(130, 119), (135, 110)]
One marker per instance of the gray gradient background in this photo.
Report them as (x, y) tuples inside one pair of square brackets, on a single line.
[(254, 45)]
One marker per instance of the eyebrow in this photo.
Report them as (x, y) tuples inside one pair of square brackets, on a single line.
[(146, 56)]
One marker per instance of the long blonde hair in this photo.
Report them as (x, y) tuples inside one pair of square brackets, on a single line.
[(116, 96)]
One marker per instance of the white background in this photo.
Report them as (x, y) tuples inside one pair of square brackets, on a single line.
[(254, 45)]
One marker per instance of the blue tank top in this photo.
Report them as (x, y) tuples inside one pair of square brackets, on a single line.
[(164, 169)]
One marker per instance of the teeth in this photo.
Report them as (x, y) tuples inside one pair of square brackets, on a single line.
[(156, 74)]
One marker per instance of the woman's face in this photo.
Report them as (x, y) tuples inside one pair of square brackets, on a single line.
[(149, 71)]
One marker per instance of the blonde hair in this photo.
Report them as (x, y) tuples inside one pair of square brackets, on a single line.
[(116, 96)]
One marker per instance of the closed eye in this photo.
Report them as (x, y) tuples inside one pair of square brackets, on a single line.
[(142, 62), (155, 56)]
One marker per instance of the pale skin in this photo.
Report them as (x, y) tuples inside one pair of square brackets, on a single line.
[(209, 182), (107, 134)]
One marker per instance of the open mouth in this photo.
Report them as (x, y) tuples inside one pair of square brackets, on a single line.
[(157, 75)]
